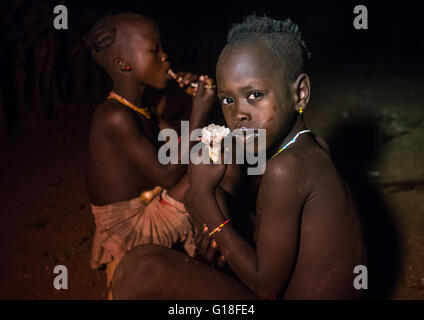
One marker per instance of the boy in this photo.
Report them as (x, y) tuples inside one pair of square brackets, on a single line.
[(307, 238), (123, 145)]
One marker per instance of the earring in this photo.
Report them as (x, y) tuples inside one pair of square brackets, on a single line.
[(123, 66), (300, 109)]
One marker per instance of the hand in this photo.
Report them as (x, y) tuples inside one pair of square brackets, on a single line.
[(207, 248), (203, 100), (206, 177), (184, 79)]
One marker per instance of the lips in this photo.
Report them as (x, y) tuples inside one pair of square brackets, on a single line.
[(245, 134), (248, 131)]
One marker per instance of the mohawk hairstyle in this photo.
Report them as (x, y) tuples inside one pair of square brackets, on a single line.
[(282, 37)]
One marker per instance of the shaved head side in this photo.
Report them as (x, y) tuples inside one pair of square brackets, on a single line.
[(281, 38), (104, 38)]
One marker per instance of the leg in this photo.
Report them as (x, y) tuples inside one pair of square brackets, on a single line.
[(155, 272), (110, 270)]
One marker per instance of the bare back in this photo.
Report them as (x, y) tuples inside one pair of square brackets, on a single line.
[(111, 175), (329, 241)]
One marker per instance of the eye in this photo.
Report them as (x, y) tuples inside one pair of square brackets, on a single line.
[(254, 95), (227, 101)]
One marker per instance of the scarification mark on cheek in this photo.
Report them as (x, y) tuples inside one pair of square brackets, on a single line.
[(268, 123), (272, 115)]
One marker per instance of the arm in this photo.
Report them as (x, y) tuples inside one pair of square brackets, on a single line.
[(206, 248), (123, 131), (266, 268)]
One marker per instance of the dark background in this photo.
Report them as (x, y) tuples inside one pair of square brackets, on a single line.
[(393, 29), (193, 34), (367, 94)]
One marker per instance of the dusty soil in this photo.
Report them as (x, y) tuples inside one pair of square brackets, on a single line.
[(45, 215), (45, 218)]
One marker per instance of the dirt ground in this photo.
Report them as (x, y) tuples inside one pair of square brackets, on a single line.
[(45, 217)]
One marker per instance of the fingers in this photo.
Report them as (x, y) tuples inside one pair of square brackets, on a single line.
[(200, 89), (178, 77), (202, 242), (209, 83), (185, 78), (189, 78), (193, 84), (206, 248), (200, 235), (221, 261), (212, 251)]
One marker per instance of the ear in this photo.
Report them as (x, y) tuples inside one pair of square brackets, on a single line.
[(301, 91), (122, 65)]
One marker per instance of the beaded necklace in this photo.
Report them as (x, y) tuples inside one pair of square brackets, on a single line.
[(144, 111), (291, 141)]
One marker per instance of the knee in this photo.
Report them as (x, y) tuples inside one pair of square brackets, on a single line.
[(139, 272)]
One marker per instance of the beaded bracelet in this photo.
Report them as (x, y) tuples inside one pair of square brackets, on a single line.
[(218, 229)]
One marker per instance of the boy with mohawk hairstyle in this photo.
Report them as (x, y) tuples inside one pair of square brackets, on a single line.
[(123, 145), (307, 238)]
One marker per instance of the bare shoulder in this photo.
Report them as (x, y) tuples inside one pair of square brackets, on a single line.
[(283, 178), (284, 167), (323, 180), (283, 189), (112, 113), (298, 168), (112, 118)]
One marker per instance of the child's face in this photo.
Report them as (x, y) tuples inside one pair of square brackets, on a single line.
[(252, 93), (145, 55)]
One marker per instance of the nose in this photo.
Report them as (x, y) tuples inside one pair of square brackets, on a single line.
[(241, 115)]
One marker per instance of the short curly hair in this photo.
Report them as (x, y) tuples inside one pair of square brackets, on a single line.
[(282, 37)]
